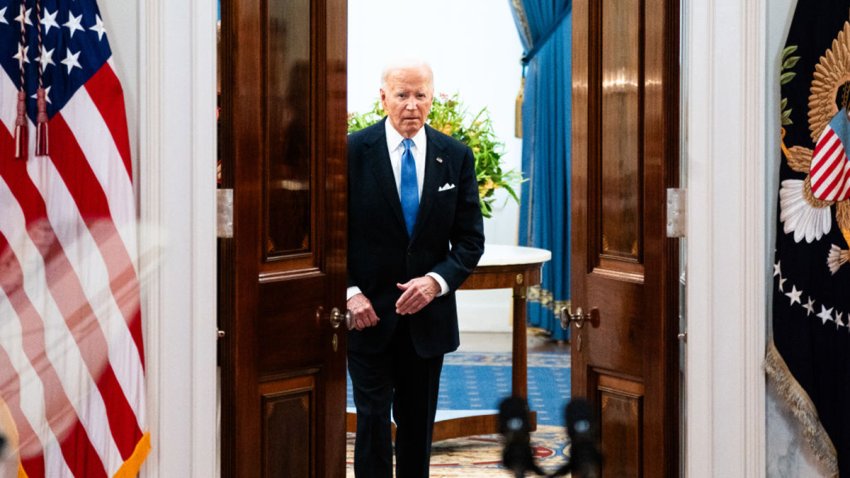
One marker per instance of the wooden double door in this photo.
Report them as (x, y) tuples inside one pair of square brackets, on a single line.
[(624, 270), (283, 128), (282, 274)]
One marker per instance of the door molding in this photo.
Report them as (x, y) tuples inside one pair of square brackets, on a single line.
[(176, 181), (724, 46)]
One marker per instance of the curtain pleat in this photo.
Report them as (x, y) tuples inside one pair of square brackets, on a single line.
[(545, 208)]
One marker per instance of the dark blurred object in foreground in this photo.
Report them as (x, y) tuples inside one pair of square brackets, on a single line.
[(583, 431)]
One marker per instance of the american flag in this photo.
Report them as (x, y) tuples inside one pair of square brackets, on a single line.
[(830, 170), (71, 353)]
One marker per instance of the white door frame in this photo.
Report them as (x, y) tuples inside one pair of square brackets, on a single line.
[(723, 71), (177, 197)]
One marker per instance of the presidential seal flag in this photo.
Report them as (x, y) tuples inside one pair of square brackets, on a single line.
[(808, 360), (72, 396)]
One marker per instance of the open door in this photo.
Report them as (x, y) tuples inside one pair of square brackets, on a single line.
[(624, 268), (282, 274)]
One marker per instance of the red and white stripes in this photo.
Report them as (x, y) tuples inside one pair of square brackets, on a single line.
[(830, 169), (71, 352)]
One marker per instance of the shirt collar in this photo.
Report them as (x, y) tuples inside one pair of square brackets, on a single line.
[(394, 138)]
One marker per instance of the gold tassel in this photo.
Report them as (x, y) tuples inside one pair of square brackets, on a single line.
[(518, 110), (41, 144), (21, 127)]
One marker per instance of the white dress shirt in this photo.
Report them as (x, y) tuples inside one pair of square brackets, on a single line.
[(396, 149)]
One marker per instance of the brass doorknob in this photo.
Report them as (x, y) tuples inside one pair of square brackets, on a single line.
[(338, 318), (579, 318)]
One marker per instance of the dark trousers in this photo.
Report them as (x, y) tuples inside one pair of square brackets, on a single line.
[(398, 379)]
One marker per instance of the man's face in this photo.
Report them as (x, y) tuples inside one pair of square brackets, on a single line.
[(406, 97)]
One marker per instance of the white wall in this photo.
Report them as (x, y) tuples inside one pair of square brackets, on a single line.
[(474, 49), (121, 20), (164, 55), (724, 81)]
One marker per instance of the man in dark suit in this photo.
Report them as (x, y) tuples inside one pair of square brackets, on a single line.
[(415, 233)]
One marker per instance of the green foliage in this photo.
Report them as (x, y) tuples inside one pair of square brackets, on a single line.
[(449, 116), (785, 77)]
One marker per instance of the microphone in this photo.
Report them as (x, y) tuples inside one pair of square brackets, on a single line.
[(582, 429), (513, 425)]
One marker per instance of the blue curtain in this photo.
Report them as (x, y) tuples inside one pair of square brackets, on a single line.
[(545, 29)]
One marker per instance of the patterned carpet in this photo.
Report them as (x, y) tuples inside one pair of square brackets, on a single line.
[(479, 381), (476, 381), (480, 457)]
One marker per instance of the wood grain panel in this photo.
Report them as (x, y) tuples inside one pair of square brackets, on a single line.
[(289, 437), (289, 192), (621, 426), (283, 70), (288, 314), (624, 268), (621, 327), (621, 117)]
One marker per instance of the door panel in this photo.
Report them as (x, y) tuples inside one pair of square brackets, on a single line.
[(283, 147), (621, 105), (288, 114), (621, 407), (625, 135), (288, 434)]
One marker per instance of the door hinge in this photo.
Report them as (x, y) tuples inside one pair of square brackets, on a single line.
[(676, 207), (224, 213)]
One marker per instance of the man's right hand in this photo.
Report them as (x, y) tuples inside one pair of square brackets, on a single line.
[(362, 313)]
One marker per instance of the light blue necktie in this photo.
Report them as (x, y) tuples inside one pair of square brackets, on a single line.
[(409, 189)]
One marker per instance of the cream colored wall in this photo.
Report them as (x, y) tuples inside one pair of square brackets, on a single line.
[(122, 22), (723, 79), (164, 56)]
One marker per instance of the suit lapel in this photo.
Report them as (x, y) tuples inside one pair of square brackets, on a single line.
[(433, 173), (383, 171)]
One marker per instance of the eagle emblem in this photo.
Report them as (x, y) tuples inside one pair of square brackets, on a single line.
[(805, 205)]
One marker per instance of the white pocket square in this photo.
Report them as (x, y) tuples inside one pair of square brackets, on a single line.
[(445, 187)]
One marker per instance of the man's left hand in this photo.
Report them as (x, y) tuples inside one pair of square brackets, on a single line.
[(417, 293)]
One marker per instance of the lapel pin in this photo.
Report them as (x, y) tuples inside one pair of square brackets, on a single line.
[(439, 159)]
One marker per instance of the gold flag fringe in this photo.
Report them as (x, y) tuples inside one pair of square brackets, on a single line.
[(130, 468), (801, 406), (132, 465)]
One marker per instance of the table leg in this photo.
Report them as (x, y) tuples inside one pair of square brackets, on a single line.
[(519, 371)]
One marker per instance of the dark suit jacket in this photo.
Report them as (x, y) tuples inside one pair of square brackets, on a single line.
[(448, 237)]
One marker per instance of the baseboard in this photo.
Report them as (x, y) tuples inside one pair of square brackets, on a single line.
[(485, 310)]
